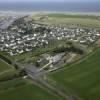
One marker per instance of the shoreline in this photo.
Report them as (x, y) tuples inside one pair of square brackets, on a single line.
[(48, 12)]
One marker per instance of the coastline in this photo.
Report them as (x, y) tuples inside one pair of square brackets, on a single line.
[(48, 12)]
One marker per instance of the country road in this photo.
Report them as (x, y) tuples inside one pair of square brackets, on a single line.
[(56, 91), (36, 76)]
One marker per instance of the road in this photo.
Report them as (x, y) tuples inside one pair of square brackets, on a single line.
[(50, 87), (36, 76)]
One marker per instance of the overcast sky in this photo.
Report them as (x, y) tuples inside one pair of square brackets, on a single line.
[(51, 0)]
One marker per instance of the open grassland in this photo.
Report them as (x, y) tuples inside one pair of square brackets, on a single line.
[(20, 89), (72, 20), (81, 79)]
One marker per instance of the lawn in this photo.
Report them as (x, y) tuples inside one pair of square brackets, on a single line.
[(82, 79), (20, 90)]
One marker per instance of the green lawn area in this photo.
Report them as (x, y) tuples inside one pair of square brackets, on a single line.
[(81, 79), (20, 89), (4, 66)]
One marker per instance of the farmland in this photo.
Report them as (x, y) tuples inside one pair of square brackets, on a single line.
[(82, 79)]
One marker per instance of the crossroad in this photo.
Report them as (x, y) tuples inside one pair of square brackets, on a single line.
[(50, 87)]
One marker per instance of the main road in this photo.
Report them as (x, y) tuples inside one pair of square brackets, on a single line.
[(37, 76)]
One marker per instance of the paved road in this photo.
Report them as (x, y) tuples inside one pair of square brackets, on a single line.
[(51, 88), (35, 75)]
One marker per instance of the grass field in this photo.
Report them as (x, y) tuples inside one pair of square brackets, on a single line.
[(58, 15), (20, 90), (82, 79), (71, 20)]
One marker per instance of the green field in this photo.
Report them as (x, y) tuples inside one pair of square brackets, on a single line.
[(82, 79), (20, 89)]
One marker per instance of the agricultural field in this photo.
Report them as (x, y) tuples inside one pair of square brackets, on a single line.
[(82, 79), (21, 89)]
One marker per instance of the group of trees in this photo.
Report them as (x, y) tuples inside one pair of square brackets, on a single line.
[(73, 47), (5, 59)]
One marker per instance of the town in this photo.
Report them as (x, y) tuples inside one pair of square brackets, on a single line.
[(24, 35), (50, 49)]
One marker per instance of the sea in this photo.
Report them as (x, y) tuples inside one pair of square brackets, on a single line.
[(51, 6)]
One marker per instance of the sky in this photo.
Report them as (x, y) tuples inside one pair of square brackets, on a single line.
[(51, 0)]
